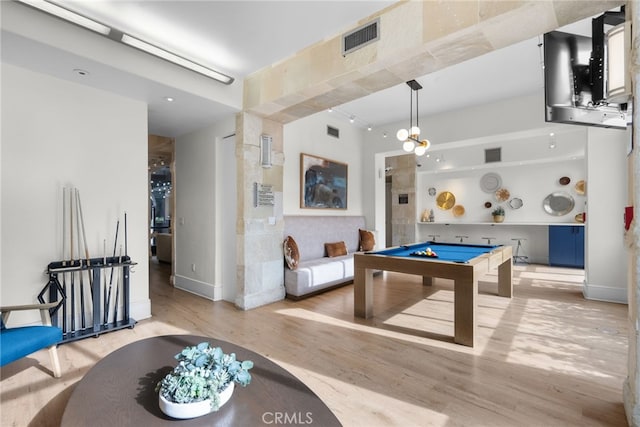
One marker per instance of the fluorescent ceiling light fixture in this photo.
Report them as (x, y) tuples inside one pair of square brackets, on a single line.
[(114, 34), (68, 15), (172, 57)]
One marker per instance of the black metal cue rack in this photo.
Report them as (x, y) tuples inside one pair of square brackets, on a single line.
[(90, 292)]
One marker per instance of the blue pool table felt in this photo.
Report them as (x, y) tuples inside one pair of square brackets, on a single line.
[(445, 251)]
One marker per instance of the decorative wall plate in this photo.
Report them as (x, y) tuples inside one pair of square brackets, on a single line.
[(558, 203), (515, 203), (432, 191), (458, 210), (580, 187), (490, 182), (502, 195), (564, 180), (445, 200)]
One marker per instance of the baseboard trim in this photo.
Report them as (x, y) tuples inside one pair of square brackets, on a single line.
[(605, 293), (196, 287), (630, 406), (247, 302)]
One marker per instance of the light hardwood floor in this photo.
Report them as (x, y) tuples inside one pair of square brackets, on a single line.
[(547, 357)]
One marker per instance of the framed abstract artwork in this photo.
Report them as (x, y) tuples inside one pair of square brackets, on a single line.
[(323, 183)]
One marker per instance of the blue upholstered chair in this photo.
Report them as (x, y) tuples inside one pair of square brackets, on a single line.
[(18, 342)]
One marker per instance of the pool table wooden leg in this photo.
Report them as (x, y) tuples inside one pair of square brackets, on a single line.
[(505, 279), (363, 293), (427, 281), (465, 305)]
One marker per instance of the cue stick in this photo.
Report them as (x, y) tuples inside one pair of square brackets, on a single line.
[(115, 305), (73, 288), (125, 234), (104, 276), (82, 314), (108, 302), (64, 257), (84, 238)]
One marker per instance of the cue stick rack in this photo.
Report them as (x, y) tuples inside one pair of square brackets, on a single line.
[(94, 296)]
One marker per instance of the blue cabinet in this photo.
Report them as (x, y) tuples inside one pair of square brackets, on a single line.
[(566, 245)]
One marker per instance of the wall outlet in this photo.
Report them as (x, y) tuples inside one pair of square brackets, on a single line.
[(181, 221), (193, 268)]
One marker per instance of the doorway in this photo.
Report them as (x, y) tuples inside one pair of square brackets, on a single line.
[(161, 199)]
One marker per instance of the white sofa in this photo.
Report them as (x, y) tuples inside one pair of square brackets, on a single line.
[(316, 271)]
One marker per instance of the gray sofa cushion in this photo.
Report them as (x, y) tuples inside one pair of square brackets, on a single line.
[(315, 270), (312, 232)]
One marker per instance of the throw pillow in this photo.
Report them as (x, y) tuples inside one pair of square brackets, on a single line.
[(367, 240), (335, 249), (291, 253)]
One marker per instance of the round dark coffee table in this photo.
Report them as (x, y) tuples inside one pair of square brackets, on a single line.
[(120, 390)]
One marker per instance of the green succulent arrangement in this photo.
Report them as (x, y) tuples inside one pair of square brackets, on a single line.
[(202, 373), (499, 211)]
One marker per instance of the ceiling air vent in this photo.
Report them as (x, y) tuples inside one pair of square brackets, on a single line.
[(360, 37), (334, 132), (492, 155)]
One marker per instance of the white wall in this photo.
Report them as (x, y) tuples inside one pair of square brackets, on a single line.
[(607, 180), (531, 183), (196, 240), (226, 218), (309, 135), (55, 134)]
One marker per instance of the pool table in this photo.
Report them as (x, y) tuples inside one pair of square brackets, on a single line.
[(462, 263)]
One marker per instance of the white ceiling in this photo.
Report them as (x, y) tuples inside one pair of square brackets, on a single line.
[(240, 37)]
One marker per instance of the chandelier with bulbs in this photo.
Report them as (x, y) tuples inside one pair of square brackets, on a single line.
[(410, 138)]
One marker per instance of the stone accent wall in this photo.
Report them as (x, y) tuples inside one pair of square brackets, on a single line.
[(403, 182), (260, 273)]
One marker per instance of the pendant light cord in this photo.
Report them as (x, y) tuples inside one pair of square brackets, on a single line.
[(417, 111), (410, 111)]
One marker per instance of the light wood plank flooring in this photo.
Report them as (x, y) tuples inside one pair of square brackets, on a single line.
[(547, 357)]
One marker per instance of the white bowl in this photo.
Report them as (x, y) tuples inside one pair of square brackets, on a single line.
[(195, 409)]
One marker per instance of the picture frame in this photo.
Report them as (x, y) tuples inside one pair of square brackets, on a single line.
[(323, 183)]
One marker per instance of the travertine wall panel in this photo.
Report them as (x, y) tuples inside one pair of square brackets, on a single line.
[(260, 276), (403, 216), (443, 18)]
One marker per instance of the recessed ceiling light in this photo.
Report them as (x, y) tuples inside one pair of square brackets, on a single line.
[(81, 72), (168, 99)]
